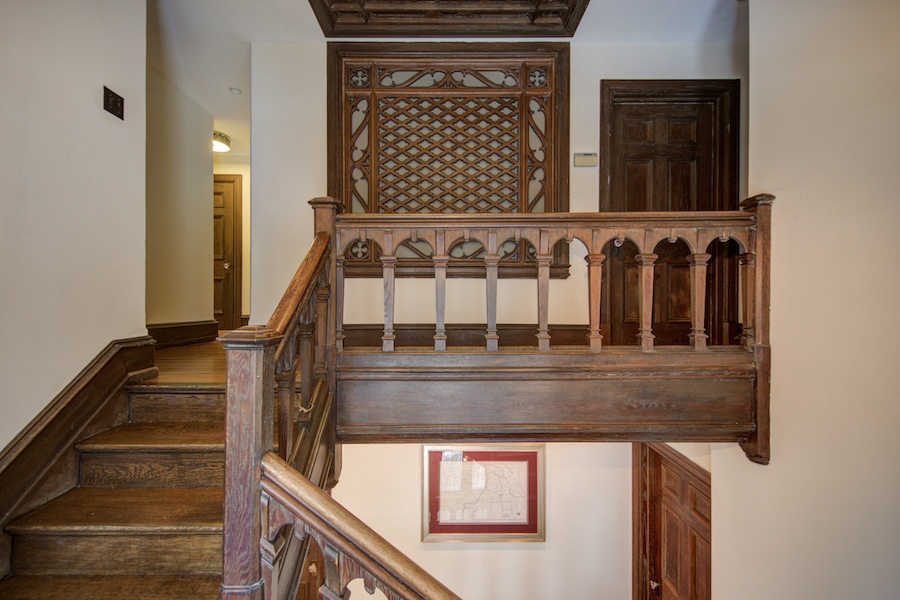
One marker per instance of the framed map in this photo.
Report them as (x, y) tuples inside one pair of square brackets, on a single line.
[(492, 493)]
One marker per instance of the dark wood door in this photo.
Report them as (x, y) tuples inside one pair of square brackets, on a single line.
[(227, 251), (668, 146), (672, 526)]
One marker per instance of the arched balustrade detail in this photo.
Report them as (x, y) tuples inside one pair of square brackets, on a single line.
[(443, 238)]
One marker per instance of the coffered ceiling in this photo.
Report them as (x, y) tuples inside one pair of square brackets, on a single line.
[(469, 18)]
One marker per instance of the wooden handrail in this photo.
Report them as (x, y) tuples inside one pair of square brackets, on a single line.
[(301, 286), (294, 345), (334, 526)]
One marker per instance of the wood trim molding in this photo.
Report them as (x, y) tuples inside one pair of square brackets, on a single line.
[(510, 18), (41, 463), (179, 334), (724, 94), (236, 182), (640, 497)]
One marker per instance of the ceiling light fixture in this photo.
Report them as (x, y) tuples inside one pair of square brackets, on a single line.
[(221, 142), (234, 90)]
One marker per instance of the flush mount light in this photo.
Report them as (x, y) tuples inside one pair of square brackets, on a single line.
[(221, 142), (234, 90)]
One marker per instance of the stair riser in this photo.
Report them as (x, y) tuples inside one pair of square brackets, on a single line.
[(152, 469), (187, 554), (177, 408)]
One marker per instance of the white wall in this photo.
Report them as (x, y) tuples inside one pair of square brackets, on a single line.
[(821, 522), (589, 485), (289, 163), (226, 164), (71, 193), (179, 205), (587, 553)]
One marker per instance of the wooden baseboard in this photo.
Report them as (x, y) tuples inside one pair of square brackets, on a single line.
[(179, 334), (41, 463), (245, 320)]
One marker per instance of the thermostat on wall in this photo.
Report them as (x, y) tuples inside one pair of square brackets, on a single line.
[(586, 159)]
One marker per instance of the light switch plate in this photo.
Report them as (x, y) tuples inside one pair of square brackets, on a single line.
[(586, 159)]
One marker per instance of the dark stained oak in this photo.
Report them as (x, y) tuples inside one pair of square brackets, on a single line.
[(195, 364), (436, 18), (110, 587), (672, 505)]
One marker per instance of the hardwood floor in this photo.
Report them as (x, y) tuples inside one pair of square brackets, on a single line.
[(145, 518), (197, 364)]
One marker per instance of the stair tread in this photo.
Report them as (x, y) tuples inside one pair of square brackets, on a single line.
[(160, 437), (109, 587), (127, 510)]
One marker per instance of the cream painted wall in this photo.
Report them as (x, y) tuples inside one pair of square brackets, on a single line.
[(587, 553), (71, 193), (589, 485), (821, 522), (179, 205), (240, 165), (288, 162)]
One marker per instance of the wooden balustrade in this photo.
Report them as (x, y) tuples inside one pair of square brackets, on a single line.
[(292, 353), (274, 504), (294, 506), (593, 230)]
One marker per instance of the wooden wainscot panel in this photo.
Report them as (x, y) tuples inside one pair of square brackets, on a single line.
[(41, 463), (621, 395)]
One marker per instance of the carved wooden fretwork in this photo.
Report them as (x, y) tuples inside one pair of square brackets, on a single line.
[(448, 128), (449, 18)]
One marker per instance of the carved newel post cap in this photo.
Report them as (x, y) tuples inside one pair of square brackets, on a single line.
[(250, 335)]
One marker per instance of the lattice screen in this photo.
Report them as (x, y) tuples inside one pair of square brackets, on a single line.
[(450, 132), (448, 137)]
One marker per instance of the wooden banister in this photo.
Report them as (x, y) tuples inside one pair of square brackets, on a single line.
[(351, 549), (544, 231), (297, 340), (302, 285)]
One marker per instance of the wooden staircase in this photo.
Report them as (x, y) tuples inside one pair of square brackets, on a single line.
[(145, 520)]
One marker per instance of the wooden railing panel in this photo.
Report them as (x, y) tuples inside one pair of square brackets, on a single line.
[(355, 550), (544, 232), (646, 394)]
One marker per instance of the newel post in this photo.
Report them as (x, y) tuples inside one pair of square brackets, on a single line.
[(326, 210), (249, 398), (757, 446)]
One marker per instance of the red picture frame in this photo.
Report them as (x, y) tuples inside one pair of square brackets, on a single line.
[(483, 493)]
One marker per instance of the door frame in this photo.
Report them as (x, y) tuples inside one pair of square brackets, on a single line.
[(724, 94), (642, 499), (237, 270)]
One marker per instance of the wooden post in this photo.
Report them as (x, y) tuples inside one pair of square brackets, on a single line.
[(698, 335), (339, 304), (326, 210), (321, 310), (595, 274), (748, 299), (440, 260), (388, 264), (645, 333), (492, 268), (250, 369), (307, 361), (544, 258), (757, 446)]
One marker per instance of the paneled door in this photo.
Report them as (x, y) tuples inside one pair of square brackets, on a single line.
[(672, 514), (669, 146), (227, 250)]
